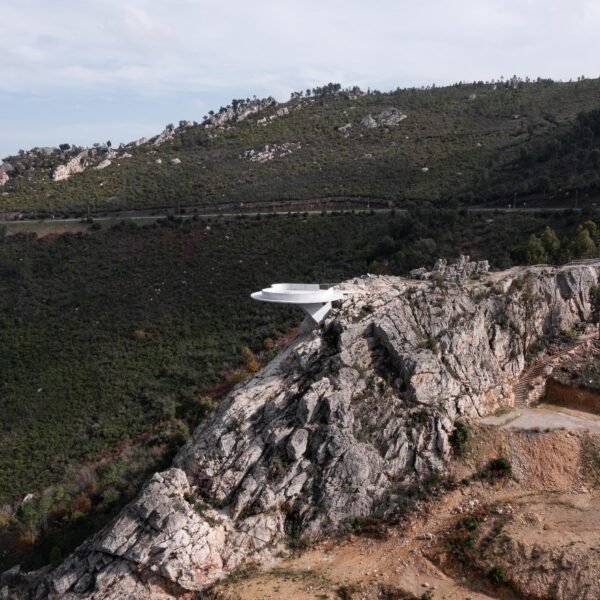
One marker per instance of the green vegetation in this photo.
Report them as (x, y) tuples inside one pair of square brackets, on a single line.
[(509, 142), (470, 523), (497, 575), (430, 344), (459, 438), (497, 468), (583, 372), (547, 248)]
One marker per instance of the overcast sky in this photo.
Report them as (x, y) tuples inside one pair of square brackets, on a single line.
[(94, 70)]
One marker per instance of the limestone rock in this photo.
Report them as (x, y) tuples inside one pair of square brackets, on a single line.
[(103, 164), (387, 118), (390, 116), (369, 122), (240, 112), (167, 134), (269, 152), (461, 270), (77, 164), (337, 426)]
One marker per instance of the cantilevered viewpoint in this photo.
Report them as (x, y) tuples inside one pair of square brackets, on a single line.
[(313, 298)]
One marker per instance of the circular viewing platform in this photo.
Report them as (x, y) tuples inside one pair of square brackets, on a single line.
[(314, 298)]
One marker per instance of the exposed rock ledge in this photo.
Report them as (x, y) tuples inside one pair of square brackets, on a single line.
[(337, 426)]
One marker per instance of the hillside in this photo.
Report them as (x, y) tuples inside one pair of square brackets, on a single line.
[(117, 343), (355, 421), (459, 145)]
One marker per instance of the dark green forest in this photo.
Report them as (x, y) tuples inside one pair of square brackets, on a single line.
[(116, 343)]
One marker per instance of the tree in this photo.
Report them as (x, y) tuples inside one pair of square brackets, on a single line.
[(252, 363), (583, 244), (593, 230), (551, 243), (565, 253), (595, 306), (536, 253)]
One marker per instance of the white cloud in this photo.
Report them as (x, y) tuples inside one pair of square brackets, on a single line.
[(234, 48), (186, 45)]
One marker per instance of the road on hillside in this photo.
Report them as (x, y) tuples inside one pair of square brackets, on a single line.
[(132, 216)]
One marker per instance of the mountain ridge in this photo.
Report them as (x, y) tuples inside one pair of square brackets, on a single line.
[(466, 144)]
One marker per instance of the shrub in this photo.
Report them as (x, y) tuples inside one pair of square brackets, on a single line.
[(459, 438), (498, 468), (430, 343), (470, 523), (497, 575)]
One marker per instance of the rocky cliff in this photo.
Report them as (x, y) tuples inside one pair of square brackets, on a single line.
[(340, 425)]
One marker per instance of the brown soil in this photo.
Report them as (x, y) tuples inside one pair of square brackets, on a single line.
[(572, 396), (529, 526)]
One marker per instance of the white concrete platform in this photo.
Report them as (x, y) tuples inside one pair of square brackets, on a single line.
[(313, 298)]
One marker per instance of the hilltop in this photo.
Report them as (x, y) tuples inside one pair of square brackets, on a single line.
[(465, 144)]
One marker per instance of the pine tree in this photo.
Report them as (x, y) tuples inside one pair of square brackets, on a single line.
[(536, 253)]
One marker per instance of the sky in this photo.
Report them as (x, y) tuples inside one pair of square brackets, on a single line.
[(89, 71)]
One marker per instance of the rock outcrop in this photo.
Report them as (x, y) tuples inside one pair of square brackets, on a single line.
[(77, 164), (340, 425), (5, 170), (103, 164), (460, 271), (168, 133), (387, 118), (369, 122), (281, 112), (240, 112), (269, 152)]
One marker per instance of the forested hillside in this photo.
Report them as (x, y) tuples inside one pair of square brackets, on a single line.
[(115, 344), (467, 144)]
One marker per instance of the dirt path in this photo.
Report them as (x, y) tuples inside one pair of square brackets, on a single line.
[(545, 417)]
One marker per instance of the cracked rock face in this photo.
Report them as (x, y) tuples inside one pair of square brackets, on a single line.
[(338, 426), (240, 113), (76, 165)]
